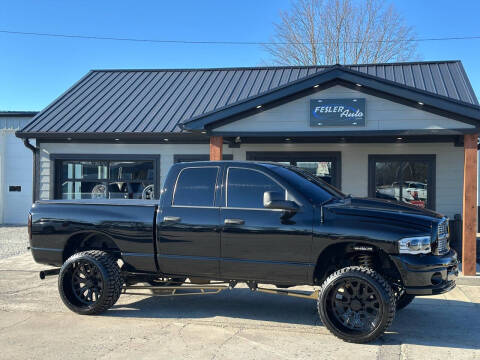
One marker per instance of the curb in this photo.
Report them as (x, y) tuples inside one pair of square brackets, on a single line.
[(468, 280)]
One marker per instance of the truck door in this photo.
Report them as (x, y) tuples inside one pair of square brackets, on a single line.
[(260, 243), (188, 224)]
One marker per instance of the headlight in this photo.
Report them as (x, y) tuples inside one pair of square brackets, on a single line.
[(415, 245)]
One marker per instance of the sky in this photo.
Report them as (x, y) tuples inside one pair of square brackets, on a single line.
[(36, 70)]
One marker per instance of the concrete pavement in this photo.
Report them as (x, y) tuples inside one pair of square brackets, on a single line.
[(236, 324)]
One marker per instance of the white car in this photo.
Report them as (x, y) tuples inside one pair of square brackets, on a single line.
[(413, 192)]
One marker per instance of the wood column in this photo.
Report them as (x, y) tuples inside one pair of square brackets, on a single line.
[(216, 148), (469, 229)]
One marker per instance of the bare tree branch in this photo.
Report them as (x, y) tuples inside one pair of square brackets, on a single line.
[(324, 32)]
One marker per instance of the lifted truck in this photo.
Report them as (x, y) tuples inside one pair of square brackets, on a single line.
[(252, 222)]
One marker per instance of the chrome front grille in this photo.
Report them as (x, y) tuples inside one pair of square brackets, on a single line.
[(442, 238)]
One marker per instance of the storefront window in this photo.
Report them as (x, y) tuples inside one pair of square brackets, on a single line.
[(321, 169), (403, 179), (105, 179), (321, 164)]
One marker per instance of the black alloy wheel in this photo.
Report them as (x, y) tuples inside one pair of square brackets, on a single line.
[(90, 282), (87, 282), (356, 304)]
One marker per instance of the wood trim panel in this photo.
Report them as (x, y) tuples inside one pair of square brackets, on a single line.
[(216, 148), (469, 227)]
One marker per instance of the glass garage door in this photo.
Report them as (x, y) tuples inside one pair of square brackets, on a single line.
[(325, 165)]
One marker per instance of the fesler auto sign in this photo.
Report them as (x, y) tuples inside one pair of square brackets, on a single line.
[(337, 112)]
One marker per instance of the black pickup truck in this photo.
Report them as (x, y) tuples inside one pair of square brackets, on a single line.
[(251, 222)]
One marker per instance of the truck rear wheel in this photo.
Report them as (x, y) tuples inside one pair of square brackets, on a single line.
[(90, 282), (356, 304)]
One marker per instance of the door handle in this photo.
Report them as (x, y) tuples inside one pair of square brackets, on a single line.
[(171, 218), (234, 221)]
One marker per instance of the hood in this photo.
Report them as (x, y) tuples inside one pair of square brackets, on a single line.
[(387, 210)]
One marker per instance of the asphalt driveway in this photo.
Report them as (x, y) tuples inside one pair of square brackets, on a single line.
[(13, 240), (235, 324)]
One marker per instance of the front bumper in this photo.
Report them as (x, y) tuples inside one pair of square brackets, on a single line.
[(427, 274)]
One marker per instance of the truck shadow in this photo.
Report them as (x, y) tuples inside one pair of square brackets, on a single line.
[(426, 322)]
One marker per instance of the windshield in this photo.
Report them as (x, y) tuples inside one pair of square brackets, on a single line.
[(312, 186)]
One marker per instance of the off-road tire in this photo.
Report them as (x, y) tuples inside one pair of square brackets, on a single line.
[(386, 300), (108, 273), (404, 300)]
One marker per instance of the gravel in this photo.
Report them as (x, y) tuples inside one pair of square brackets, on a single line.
[(13, 240)]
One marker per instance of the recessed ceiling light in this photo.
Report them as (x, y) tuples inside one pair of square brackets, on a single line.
[(359, 85), (259, 106), (420, 103), (399, 138), (204, 132), (117, 139), (287, 139), (315, 86), (165, 139)]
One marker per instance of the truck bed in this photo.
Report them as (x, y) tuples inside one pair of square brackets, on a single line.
[(58, 226)]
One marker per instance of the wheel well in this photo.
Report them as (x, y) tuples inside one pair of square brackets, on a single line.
[(341, 255), (90, 241)]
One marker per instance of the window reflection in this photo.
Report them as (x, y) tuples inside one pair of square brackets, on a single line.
[(321, 169), (403, 181), (107, 180)]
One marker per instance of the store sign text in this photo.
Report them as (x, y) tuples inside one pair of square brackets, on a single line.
[(337, 112)]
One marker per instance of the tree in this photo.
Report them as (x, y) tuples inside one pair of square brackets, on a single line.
[(325, 32)]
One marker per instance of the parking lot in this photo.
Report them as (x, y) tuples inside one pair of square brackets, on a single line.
[(235, 324)]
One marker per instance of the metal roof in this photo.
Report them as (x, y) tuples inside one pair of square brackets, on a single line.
[(157, 101), (9, 113)]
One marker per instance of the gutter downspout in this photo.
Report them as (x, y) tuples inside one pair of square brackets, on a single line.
[(35, 150)]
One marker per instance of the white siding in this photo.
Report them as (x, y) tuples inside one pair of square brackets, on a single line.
[(380, 114), (449, 162)]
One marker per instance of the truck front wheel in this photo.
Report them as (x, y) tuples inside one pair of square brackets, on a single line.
[(90, 282), (404, 300), (356, 304)]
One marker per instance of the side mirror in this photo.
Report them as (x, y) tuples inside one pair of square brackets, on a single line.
[(276, 200)]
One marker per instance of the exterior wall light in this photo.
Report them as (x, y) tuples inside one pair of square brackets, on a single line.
[(399, 138), (204, 132), (315, 86), (287, 139), (117, 139), (259, 106), (420, 103), (165, 139), (359, 85)]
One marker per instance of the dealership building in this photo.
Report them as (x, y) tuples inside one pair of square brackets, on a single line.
[(399, 131), (15, 169)]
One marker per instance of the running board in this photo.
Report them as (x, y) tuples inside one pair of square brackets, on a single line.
[(209, 290), (172, 290), (301, 294)]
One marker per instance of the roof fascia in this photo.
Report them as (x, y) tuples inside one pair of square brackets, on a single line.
[(463, 112)]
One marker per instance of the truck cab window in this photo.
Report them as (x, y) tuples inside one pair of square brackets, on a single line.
[(245, 188), (196, 187)]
